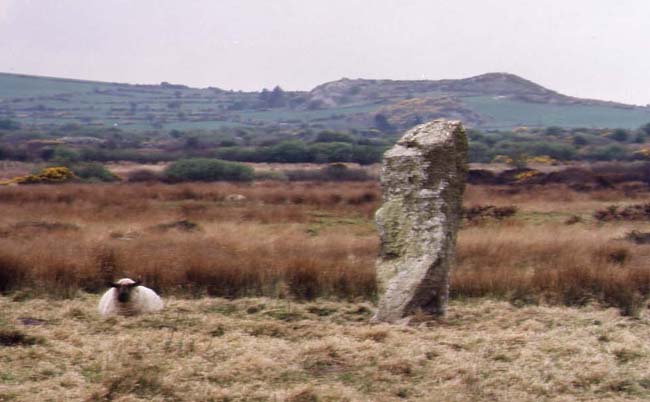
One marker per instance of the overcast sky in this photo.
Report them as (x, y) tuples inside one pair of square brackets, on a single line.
[(587, 48)]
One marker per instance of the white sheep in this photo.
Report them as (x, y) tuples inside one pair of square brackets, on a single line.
[(127, 297)]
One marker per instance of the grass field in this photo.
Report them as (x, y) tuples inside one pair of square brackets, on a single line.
[(54, 101), (268, 297), (276, 350), (505, 113)]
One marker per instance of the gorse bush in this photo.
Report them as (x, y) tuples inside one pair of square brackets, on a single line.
[(90, 172), (203, 169), (50, 175)]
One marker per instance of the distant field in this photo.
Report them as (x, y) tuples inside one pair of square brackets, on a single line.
[(42, 100), (51, 101), (12, 86), (306, 115), (504, 114)]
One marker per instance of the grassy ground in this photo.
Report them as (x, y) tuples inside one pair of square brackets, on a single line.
[(530, 317), (260, 349)]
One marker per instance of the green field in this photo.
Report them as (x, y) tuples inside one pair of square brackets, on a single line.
[(504, 114), (43, 101)]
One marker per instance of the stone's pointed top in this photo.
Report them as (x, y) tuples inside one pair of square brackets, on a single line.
[(431, 133)]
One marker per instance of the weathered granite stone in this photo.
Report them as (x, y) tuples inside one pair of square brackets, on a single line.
[(423, 180)]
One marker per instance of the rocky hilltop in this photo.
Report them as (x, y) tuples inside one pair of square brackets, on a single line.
[(502, 85)]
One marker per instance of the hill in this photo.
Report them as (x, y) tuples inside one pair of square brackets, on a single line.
[(488, 101)]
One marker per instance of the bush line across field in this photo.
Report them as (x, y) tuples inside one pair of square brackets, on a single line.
[(74, 143)]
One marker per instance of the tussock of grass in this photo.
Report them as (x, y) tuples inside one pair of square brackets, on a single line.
[(135, 379), (14, 337)]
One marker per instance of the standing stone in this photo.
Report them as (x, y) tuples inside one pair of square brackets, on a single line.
[(423, 180)]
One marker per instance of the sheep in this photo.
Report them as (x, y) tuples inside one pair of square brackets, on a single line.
[(128, 297)]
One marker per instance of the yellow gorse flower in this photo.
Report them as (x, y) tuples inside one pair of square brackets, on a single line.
[(57, 174), (523, 176)]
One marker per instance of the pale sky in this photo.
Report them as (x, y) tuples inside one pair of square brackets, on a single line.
[(588, 48)]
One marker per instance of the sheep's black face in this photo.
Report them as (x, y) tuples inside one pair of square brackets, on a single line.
[(124, 291), (123, 294)]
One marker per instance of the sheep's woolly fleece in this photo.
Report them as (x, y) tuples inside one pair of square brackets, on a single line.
[(141, 300)]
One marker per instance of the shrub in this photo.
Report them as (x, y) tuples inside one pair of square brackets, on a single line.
[(553, 130), (478, 152), (296, 151), (481, 212), (333, 136), (481, 176), (368, 154), (580, 140), (340, 172), (645, 128), (620, 135), (635, 212), (243, 154), (518, 159), (143, 175), (203, 169), (270, 175), (570, 175), (554, 150), (94, 172), (50, 175), (65, 156), (638, 237), (333, 172), (331, 152), (520, 175), (7, 124), (608, 153), (290, 151)]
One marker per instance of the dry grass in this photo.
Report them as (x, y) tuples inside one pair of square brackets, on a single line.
[(553, 263), (296, 242), (11, 169), (265, 202), (306, 241), (225, 259), (252, 349), (282, 240), (549, 198)]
